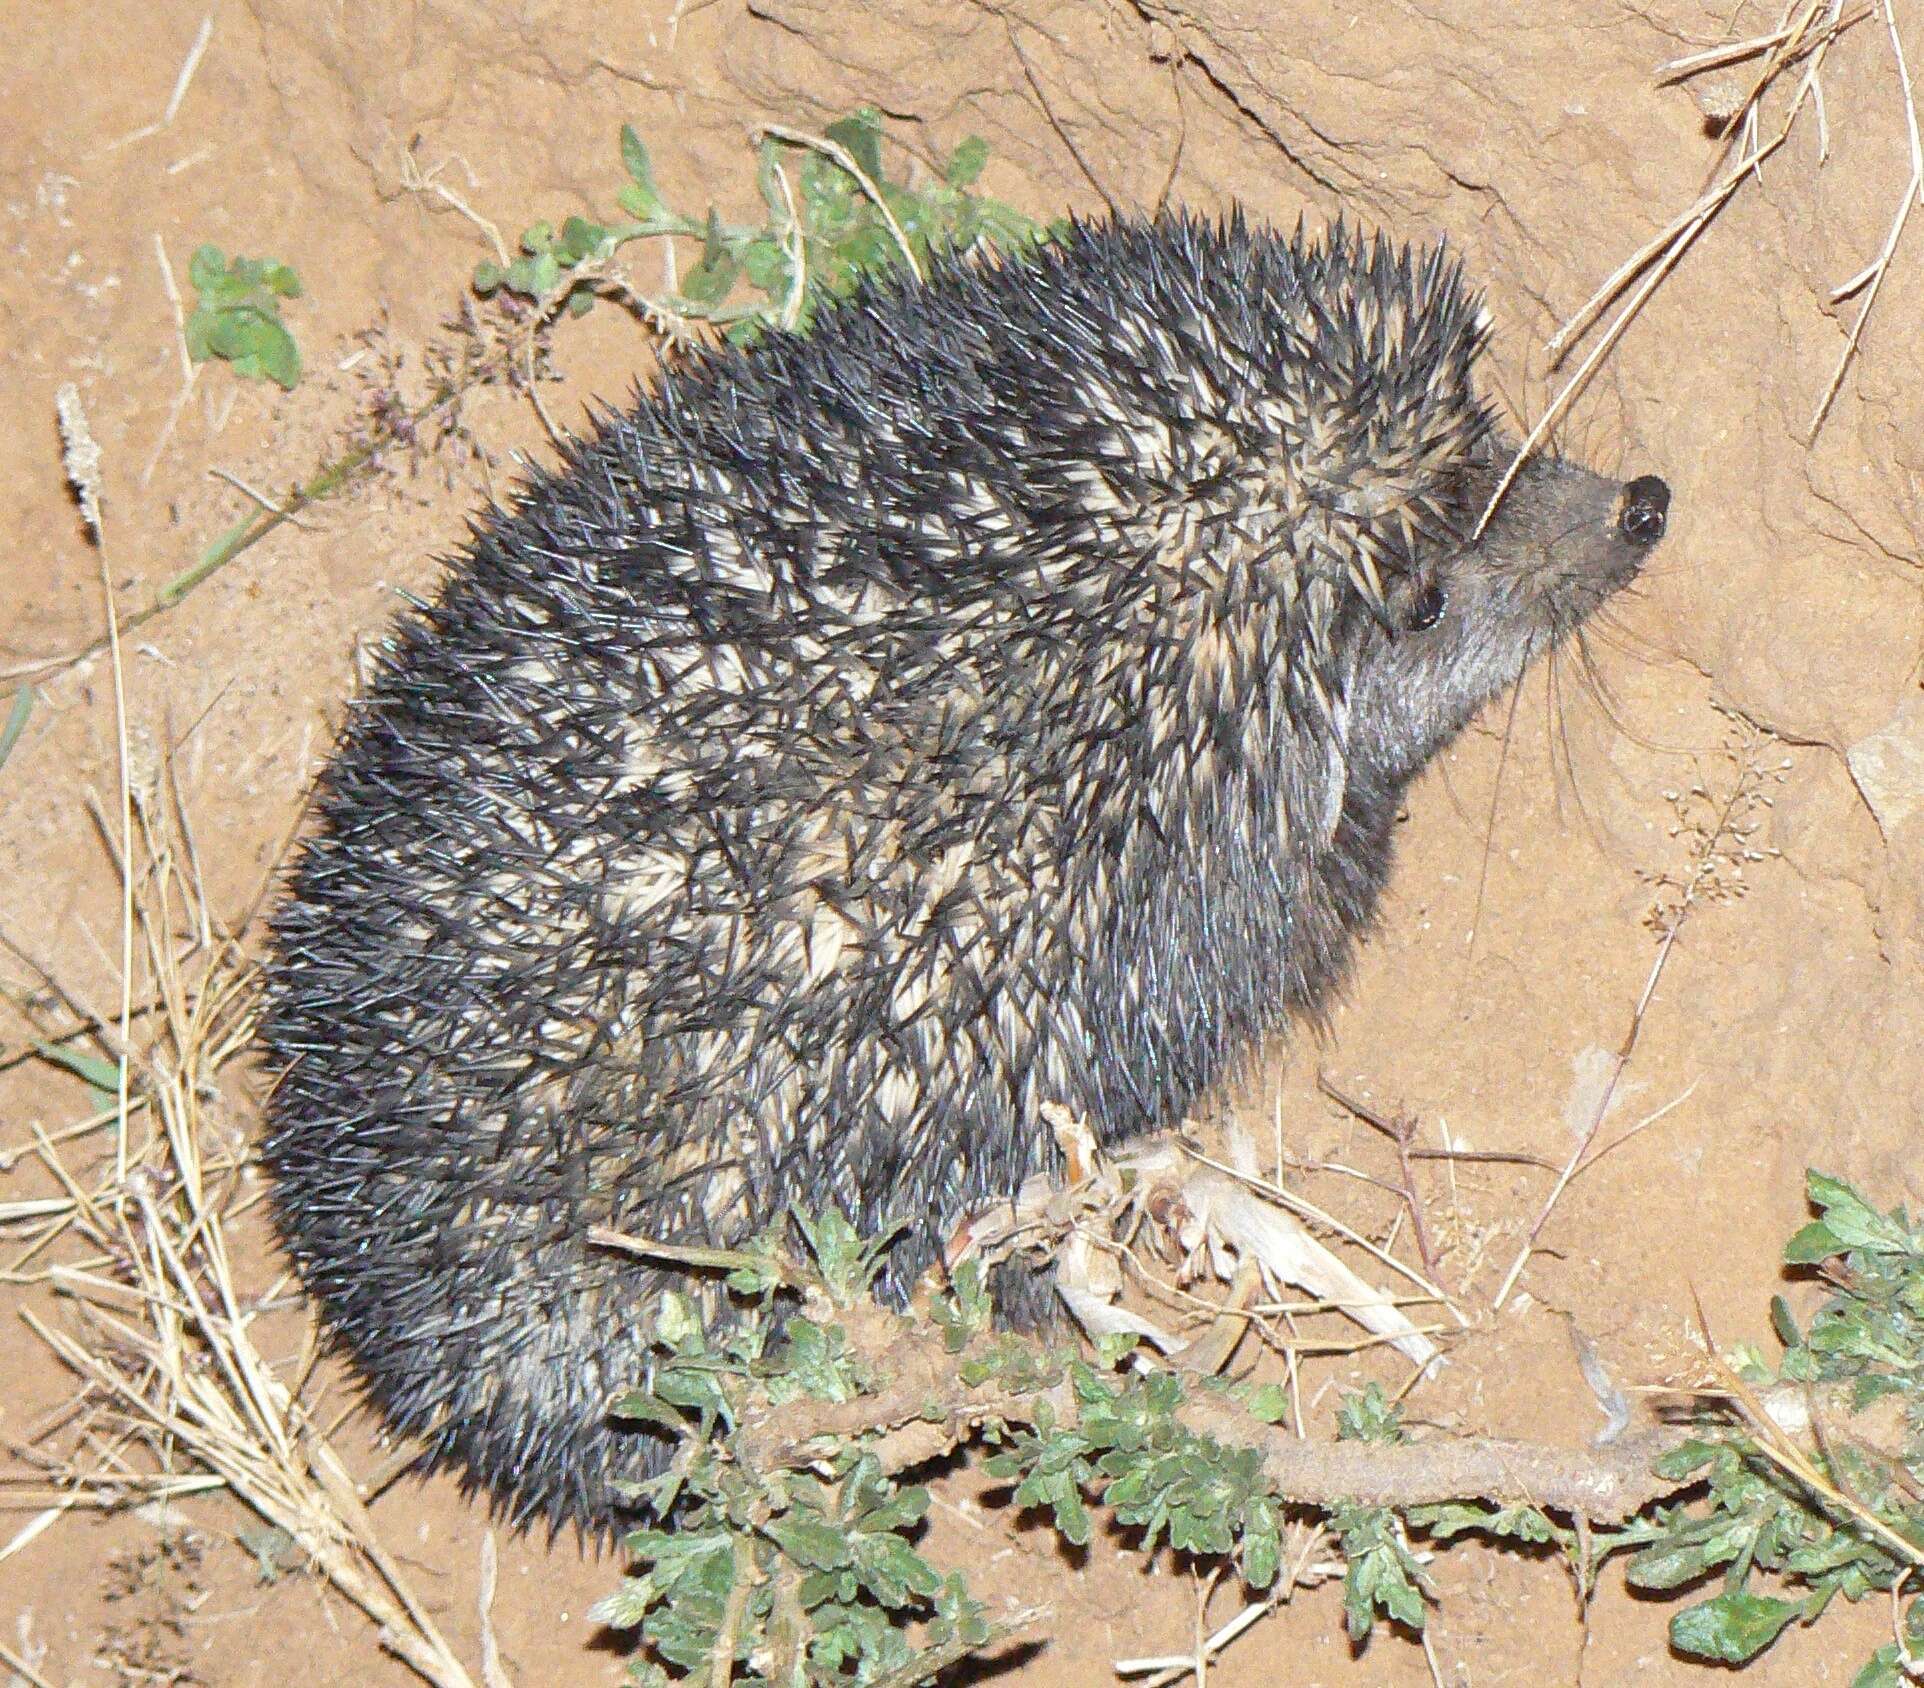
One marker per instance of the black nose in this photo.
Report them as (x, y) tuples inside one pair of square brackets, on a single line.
[(1640, 518)]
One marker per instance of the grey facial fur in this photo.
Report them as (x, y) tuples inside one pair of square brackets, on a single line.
[(1561, 542)]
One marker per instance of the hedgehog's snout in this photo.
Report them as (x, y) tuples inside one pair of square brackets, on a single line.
[(1643, 510)]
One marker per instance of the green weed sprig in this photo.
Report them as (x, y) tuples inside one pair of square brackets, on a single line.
[(841, 221), (821, 1568), (237, 317), (781, 1577), (1839, 1516)]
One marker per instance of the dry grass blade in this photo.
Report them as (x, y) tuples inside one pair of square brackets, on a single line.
[(1784, 1450), (1735, 52), (848, 161), (22, 1669), (175, 1394), (1805, 38), (1428, 1290), (1871, 278)]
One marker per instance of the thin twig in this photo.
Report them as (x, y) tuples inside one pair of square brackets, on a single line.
[(1174, 1667), (418, 181), (285, 514), (1875, 273), (1055, 123), (189, 370), (1734, 52), (846, 159), (1400, 1131), (171, 110), (493, 1675), (27, 1673), (1703, 869), (1807, 38), (1309, 1210)]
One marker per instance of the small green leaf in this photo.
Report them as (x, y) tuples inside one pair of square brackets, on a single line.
[(640, 1405), (900, 1510), (895, 1573), (237, 315), (1454, 1518), (1376, 1579), (746, 1280), (278, 278), (627, 1606), (1684, 1562), (1268, 1402), (867, 249), (544, 275), (860, 135), (97, 1070), (1731, 1627), (1262, 1558), (959, 1616), (102, 1076), (634, 156), (810, 1542), (965, 163), (269, 350), (676, 1321), (1783, 1322), (1851, 1219), (640, 198), (1071, 1515), (225, 544), (687, 1387), (1883, 1670), (1814, 1243), (1368, 1415), (766, 265), (1689, 1457), (708, 283), (207, 269)]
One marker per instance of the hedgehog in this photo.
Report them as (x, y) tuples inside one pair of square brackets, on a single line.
[(1003, 695)]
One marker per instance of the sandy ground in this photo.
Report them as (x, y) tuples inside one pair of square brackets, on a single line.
[(1773, 653)]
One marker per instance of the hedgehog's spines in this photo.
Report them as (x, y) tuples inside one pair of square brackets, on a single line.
[(849, 748)]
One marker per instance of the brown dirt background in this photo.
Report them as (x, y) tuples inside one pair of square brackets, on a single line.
[(1786, 1027)]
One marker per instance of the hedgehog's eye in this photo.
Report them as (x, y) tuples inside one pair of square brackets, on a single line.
[(1425, 608)]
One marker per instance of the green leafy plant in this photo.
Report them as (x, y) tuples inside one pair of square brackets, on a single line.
[(237, 316), (841, 219), (790, 1576), (817, 1575), (821, 235), (1157, 1476), (1382, 1576), (1841, 1514)]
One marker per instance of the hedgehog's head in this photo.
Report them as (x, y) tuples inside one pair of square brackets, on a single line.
[(1462, 626), (1385, 459)]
